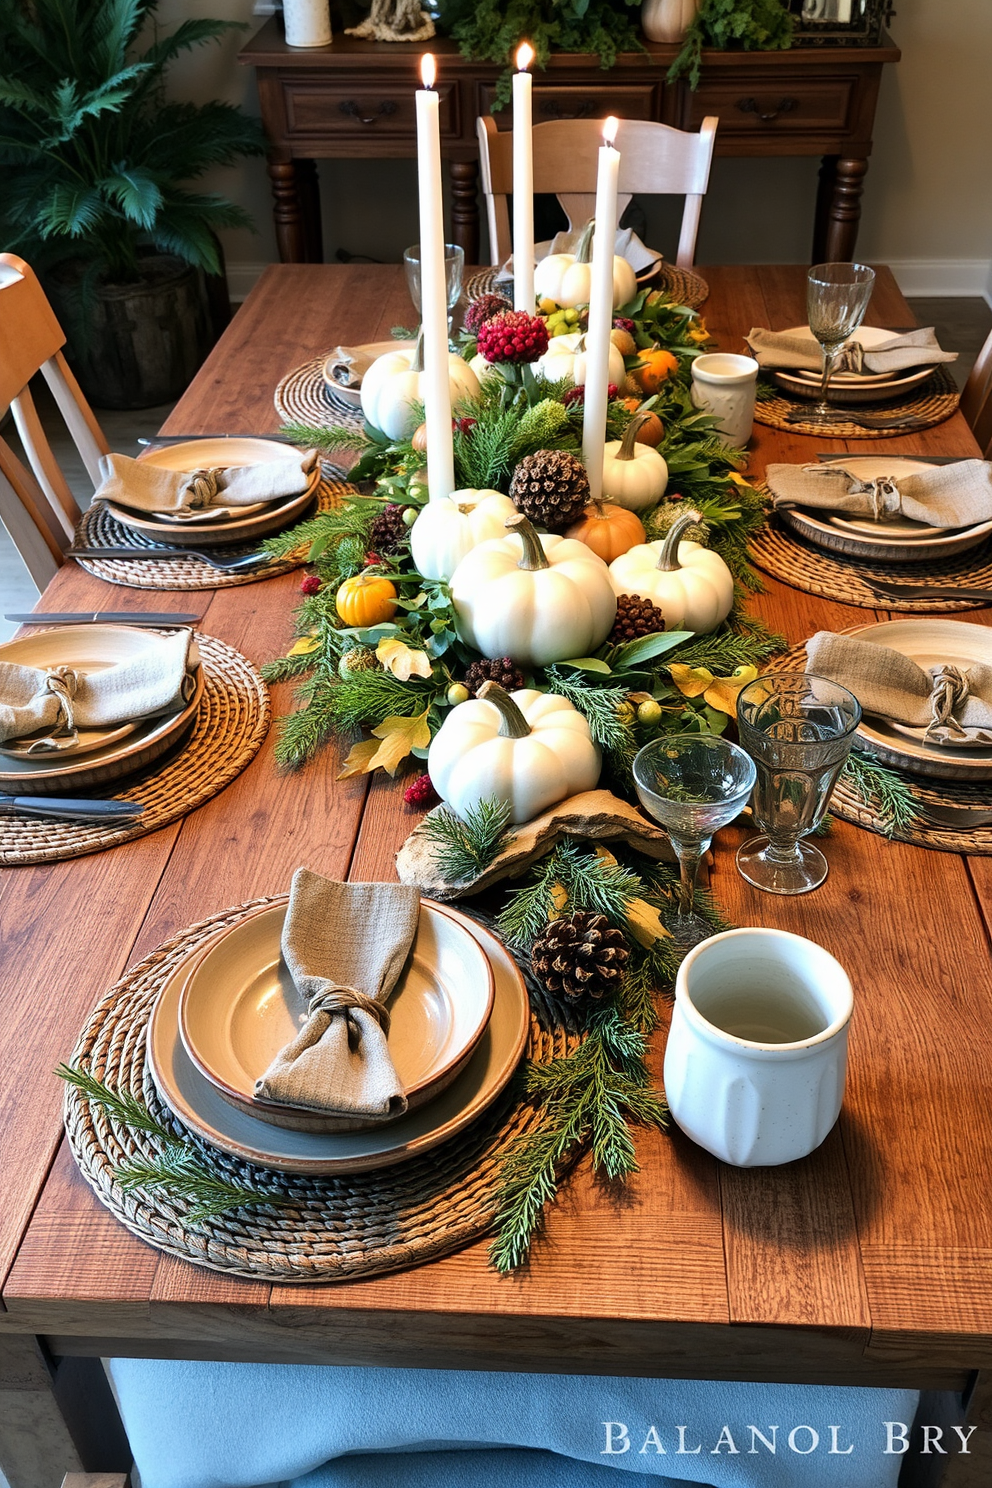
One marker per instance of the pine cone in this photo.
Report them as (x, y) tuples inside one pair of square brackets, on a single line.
[(636, 617), (501, 670), (579, 958), (388, 530), (483, 309), (551, 487), (513, 336)]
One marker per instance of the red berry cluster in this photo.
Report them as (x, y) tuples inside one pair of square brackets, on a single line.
[(621, 323), (578, 394), (513, 336), (464, 425), (310, 585), (421, 792), (483, 309)]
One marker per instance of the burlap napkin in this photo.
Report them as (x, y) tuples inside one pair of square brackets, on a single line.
[(199, 495), (956, 495), (346, 366), (64, 699), (345, 946), (797, 350), (953, 705)]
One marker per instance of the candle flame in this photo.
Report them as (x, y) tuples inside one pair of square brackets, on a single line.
[(610, 127), (428, 70), (525, 56)]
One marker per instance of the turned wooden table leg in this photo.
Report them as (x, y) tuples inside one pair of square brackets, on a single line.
[(845, 210), (465, 207), (287, 211), (55, 1421), (824, 198), (308, 185)]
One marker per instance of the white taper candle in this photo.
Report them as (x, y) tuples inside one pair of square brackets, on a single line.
[(600, 311), (523, 184), (433, 291)]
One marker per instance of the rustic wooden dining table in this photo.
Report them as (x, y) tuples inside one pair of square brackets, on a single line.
[(869, 1262)]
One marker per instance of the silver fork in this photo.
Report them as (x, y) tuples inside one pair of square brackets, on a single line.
[(229, 565), (863, 421), (954, 818)]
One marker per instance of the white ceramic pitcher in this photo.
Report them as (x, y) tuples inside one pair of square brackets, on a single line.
[(757, 1053)]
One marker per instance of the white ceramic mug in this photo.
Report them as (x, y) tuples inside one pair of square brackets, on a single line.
[(724, 385), (757, 1053)]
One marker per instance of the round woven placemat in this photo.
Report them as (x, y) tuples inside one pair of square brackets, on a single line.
[(779, 551), (936, 400), (359, 1224), (303, 397), (682, 286), (98, 529), (847, 804), (227, 733)]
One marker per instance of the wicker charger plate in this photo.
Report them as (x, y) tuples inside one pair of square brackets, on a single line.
[(936, 400), (846, 804), (303, 397), (336, 1228), (230, 725), (682, 286), (98, 529), (779, 551)]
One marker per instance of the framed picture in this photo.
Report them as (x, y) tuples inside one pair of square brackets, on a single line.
[(839, 22)]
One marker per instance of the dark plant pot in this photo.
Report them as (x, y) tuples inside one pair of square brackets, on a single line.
[(135, 345)]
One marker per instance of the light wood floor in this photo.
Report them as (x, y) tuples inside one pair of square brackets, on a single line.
[(962, 324)]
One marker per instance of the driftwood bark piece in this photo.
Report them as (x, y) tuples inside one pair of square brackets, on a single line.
[(597, 816)]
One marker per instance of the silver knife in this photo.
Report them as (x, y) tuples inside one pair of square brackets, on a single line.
[(901, 455), (926, 591), (69, 810), (106, 617), (186, 438)]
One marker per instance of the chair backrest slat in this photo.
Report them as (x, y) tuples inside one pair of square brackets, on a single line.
[(28, 518), (976, 399)]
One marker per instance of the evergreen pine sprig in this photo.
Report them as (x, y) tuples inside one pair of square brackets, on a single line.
[(608, 713), (882, 788), (465, 846)]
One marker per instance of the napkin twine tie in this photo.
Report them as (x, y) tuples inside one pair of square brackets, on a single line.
[(334, 999), (203, 486), (950, 690), (62, 683), (881, 490)]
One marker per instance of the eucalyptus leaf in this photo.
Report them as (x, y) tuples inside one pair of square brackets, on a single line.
[(646, 647), (587, 664)]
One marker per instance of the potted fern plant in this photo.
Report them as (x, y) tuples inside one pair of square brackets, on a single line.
[(95, 166)]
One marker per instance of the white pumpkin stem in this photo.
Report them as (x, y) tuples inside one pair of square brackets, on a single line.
[(583, 248), (534, 556), (627, 443), (512, 723), (669, 560), (417, 360)]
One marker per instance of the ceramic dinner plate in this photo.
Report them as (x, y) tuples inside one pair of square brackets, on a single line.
[(92, 648), (239, 1007), (851, 388), (893, 539), (353, 395), (928, 642), (252, 522), (200, 1107)]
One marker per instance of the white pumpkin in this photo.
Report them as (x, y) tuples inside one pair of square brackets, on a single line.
[(527, 748), (534, 599), (566, 278), (394, 384), (481, 367), (566, 357), (690, 584), (667, 20), (634, 475), (447, 530)]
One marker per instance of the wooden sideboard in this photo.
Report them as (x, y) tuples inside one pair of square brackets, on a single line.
[(355, 99)]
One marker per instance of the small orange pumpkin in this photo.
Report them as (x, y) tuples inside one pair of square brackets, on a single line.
[(651, 432), (608, 530), (419, 438), (367, 599), (654, 368)]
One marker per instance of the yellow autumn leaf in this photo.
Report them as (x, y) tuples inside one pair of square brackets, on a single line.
[(358, 759), (604, 854), (722, 692), (402, 660), (645, 922), (304, 646), (399, 736), (559, 901), (690, 681)]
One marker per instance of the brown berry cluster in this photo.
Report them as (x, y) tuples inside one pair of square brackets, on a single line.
[(636, 617), (500, 670), (483, 309)]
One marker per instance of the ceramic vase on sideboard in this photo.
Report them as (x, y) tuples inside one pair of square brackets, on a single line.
[(667, 20)]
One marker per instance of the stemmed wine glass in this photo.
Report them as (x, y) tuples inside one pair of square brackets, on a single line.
[(798, 729), (454, 272), (837, 296), (692, 784)]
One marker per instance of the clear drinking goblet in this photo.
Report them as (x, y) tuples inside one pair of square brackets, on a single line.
[(837, 296), (692, 784), (454, 272), (798, 729)]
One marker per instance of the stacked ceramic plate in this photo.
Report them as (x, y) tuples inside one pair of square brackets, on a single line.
[(351, 397), (890, 539), (852, 388), (930, 643), (248, 525), (459, 1019), (98, 756)]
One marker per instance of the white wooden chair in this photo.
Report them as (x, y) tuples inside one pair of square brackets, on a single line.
[(654, 159), (976, 399), (36, 506)]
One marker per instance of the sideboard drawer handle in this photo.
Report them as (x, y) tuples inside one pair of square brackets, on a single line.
[(555, 111), (751, 106), (353, 110)]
